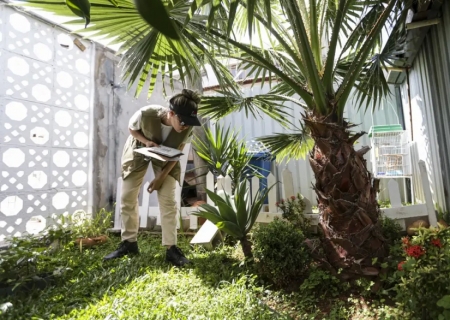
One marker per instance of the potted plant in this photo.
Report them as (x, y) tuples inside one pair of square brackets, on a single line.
[(90, 231)]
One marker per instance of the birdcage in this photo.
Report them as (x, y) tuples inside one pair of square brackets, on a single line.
[(390, 151)]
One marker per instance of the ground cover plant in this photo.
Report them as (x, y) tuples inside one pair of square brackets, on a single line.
[(282, 281), (222, 284), (143, 287)]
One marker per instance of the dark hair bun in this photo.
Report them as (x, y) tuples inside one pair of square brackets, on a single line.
[(191, 95)]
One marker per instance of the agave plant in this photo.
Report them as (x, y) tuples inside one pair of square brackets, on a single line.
[(216, 149), (235, 214), (225, 154)]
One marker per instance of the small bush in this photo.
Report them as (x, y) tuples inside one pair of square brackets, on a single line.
[(22, 260), (282, 255), (391, 230), (423, 288), (293, 210), (83, 225), (320, 284)]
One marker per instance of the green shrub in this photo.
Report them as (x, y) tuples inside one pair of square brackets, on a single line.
[(423, 288), (320, 284), (293, 210), (85, 225), (392, 231), (22, 260), (279, 248)]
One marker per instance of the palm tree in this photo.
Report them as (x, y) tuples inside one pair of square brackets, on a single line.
[(315, 53)]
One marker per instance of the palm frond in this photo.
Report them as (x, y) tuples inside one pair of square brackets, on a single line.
[(217, 107), (211, 33), (288, 145), (157, 16), (217, 149), (295, 18), (279, 58), (361, 56), (371, 85), (363, 29)]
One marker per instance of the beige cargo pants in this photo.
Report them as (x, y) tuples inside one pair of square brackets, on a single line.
[(130, 207)]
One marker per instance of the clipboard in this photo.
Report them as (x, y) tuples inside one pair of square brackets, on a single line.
[(148, 154), (166, 151)]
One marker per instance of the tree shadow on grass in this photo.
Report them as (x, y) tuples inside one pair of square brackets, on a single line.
[(86, 278), (218, 265)]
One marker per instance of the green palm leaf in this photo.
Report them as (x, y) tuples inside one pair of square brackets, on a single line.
[(80, 8), (227, 212), (297, 60), (217, 107), (155, 14), (288, 145)]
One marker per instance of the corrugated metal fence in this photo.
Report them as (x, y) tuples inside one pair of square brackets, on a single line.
[(429, 81)]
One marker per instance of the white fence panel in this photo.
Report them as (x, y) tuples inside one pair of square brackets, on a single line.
[(270, 211)]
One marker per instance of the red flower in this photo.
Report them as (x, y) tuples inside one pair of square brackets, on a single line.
[(405, 241), (415, 251), (436, 243), (400, 265), (292, 197), (277, 204)]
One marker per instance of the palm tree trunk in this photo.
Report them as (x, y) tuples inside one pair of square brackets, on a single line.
[(346, 195), (246, 247), (201, 168)]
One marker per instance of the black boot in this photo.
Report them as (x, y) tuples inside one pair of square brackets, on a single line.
[(175, 256), (125, 248)]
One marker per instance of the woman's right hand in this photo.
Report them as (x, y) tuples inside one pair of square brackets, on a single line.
[(149, 144)]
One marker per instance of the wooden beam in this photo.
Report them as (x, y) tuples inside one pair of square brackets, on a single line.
[(421, 24)]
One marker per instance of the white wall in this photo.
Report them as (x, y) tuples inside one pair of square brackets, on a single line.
[(78, 103), (45, 113)]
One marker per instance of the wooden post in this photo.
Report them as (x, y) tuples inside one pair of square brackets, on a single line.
[(308, 205), (288, 183), (272, 193), (427, 193), (227, 185), (220, 183), (143, 210), (396, 202), (210, 186), (117, 217), (254, 187), (193, 225)]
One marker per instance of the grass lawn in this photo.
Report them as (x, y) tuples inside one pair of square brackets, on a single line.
[(219, 285), (216, 286)]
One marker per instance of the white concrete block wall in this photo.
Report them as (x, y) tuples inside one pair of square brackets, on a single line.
[(45, 114)]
